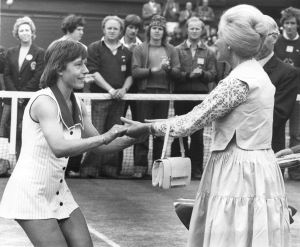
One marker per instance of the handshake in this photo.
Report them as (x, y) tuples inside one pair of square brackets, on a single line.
[(134, 129)]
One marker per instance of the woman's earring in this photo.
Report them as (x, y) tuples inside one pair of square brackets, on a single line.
[(229, 48)]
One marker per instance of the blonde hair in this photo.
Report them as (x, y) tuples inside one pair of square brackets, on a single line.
[(195, 19), (115, 18), (21, 21), (243, 29), (271, 24)]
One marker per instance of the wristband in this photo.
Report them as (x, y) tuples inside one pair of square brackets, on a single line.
[(110, 91), (150, 129)]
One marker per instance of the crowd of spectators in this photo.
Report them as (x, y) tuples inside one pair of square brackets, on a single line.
[(167, 50)]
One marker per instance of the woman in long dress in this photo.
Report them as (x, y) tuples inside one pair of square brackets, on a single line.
[(241, 200), (56, 126)]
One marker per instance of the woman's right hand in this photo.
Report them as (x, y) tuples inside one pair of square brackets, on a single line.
[(116, 131), (136, 129), (283, 152)]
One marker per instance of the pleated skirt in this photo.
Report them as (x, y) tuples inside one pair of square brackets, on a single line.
[(241, 201)]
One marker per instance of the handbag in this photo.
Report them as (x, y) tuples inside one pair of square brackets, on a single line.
[(173, 171)]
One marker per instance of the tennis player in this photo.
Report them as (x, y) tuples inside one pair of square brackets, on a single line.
[(56, 126)]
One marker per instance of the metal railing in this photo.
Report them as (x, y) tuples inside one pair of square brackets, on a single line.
[(15, 95)]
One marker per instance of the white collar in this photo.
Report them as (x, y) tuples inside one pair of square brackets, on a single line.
[(266, 59), (189, 44), (112, 47), (137, 42), (286, 37)]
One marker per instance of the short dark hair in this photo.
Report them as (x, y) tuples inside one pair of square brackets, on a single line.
[(57, 56), (133, 20), (71, 22), (287, 14)]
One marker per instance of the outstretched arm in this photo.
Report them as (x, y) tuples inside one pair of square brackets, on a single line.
[(287, 151), (226, 96), (116, 144), (44, 111)]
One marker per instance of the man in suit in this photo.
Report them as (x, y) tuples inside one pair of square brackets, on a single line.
[(285, 79)]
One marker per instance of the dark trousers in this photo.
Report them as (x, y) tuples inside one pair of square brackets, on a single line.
[(150, 110), (6, 121), (294, 172), (105, 114), (195, 150), (132, 104), (74, 163)]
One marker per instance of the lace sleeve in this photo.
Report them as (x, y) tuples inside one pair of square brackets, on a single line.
[(227, 95)]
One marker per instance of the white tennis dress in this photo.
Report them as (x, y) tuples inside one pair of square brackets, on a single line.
[(37, 188)]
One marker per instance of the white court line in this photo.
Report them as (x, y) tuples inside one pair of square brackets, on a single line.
[(102, 237)]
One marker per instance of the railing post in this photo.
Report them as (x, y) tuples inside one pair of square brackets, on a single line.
[(13, 125)]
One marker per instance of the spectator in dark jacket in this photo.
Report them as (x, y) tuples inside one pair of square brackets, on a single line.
[(285, 79), (198, 69), (24, 65), (110, 62)]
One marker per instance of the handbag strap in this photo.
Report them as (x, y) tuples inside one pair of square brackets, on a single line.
[(164, 150), (182, 151)]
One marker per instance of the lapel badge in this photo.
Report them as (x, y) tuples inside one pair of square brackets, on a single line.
[(28, 57), (33, 65)]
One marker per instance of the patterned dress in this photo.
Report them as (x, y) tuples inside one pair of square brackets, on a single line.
[(37, 188), (241, 200)]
